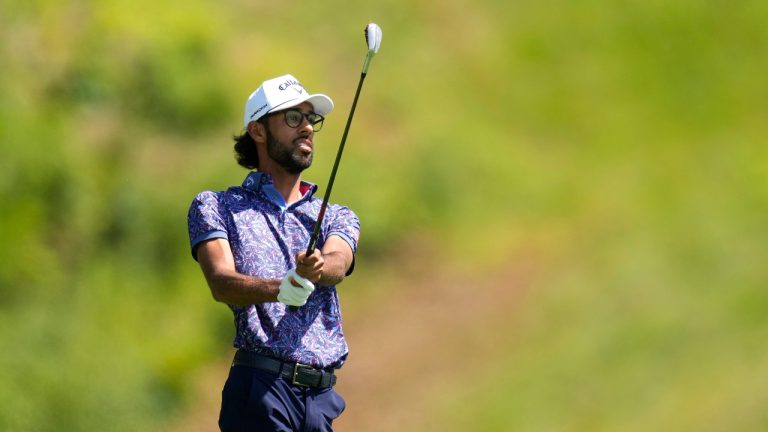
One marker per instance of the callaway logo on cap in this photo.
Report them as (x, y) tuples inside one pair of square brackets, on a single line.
[(282, 93)]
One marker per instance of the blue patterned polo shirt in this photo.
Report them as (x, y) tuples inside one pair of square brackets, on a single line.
[(265, 234)]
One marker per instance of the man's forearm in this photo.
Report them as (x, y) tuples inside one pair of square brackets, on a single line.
[(238, 289), (334, 269), (233, 288)]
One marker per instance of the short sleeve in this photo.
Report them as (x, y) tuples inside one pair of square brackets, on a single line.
[(205, 220), (346, 225)]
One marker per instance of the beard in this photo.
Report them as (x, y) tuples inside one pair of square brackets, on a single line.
[(291, 159)]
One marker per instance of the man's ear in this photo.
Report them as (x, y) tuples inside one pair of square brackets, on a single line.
[(257, 131)]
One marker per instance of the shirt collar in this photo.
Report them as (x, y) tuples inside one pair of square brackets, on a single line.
[(262, 182)]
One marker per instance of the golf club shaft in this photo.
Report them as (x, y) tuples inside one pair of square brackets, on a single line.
[(316, 231), (373, 40)]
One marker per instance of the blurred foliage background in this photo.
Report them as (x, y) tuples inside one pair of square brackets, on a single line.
[(618, 147)]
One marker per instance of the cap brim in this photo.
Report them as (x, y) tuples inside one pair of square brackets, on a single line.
[(321, 103)]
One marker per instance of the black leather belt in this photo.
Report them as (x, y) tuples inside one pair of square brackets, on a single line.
[(296, 373)]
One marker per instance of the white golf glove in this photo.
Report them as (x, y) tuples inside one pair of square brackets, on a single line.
[(293, 295)]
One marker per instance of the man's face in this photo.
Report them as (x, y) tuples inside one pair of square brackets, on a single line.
[(291, 148)]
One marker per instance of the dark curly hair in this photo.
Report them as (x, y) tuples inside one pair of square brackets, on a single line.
[(245, 151), (245, 147)]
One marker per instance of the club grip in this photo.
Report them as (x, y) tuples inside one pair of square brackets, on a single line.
[(314, 237)]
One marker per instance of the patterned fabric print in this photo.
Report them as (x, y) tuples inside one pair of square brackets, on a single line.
[(265, 236)]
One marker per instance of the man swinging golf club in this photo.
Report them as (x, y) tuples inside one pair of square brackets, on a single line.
[(251, 244)]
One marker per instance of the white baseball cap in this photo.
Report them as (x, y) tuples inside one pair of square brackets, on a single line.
[(281, 93)]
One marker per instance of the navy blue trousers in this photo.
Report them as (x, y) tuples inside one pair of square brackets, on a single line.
[(255, 400)]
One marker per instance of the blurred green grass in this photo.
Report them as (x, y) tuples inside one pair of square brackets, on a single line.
[(621, 144)]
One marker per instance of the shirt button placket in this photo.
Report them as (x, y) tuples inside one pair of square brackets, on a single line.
[(281, 219)]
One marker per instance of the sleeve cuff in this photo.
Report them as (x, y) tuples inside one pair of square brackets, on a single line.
[(352, 246), (204, 237), (348, 239)]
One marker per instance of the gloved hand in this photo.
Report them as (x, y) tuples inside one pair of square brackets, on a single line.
[(294, 289)]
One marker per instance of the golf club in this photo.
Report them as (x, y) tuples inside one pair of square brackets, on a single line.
[(373, 39)]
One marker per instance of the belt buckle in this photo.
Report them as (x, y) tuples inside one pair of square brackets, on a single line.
[(296, 374)]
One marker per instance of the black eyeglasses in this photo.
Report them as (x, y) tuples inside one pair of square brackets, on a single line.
[(294, 118)]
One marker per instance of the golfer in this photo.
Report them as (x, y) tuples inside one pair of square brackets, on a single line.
[(251, 241)]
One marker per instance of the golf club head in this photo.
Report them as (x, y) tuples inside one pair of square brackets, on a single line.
[(373, 37)]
